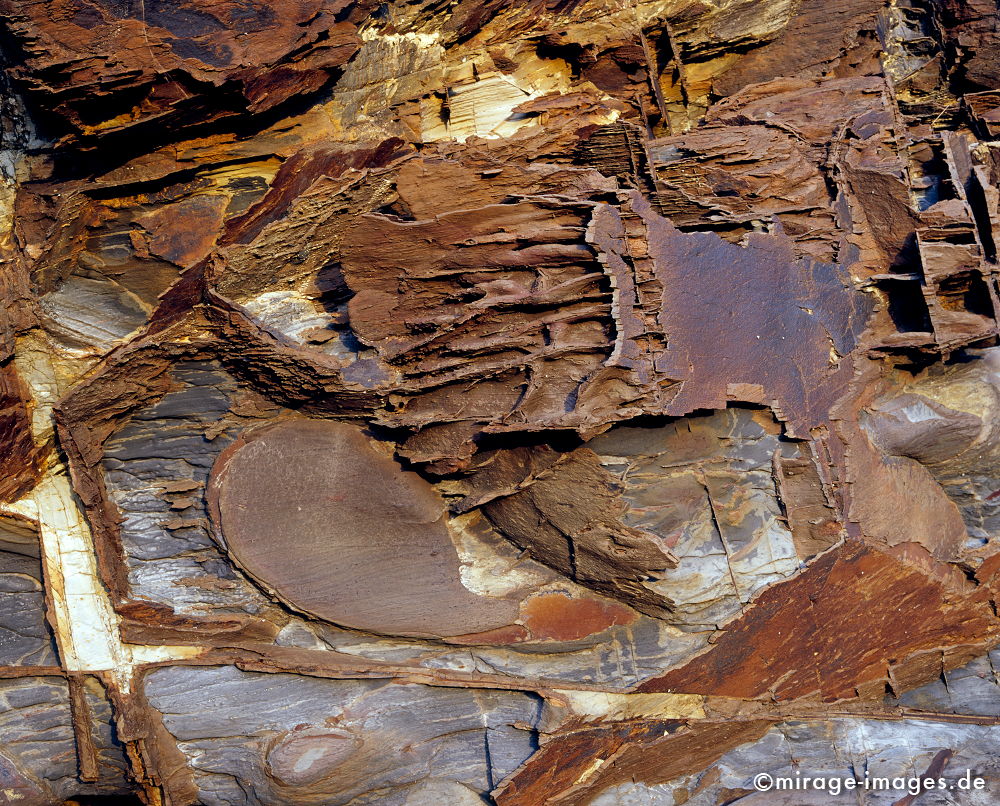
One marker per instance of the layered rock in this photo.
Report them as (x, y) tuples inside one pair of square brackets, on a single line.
[(552, 402)]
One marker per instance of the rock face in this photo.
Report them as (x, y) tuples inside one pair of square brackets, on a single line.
[(553, 402), (338, 509)]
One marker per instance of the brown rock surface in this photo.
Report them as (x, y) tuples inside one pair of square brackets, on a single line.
[(554, 402)]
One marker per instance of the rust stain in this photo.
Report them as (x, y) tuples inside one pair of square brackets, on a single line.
[(801, 637), (559, 617)]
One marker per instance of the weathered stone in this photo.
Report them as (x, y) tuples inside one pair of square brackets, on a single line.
[(553, 402)]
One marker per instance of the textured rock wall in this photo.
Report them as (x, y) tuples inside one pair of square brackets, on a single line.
[(541, 402)]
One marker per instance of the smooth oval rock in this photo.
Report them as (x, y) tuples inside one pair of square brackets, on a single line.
[(336, 529), (303, 757)]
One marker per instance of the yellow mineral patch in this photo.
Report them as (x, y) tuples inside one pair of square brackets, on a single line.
[(85, 624), (600, 705), (593, 767)]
